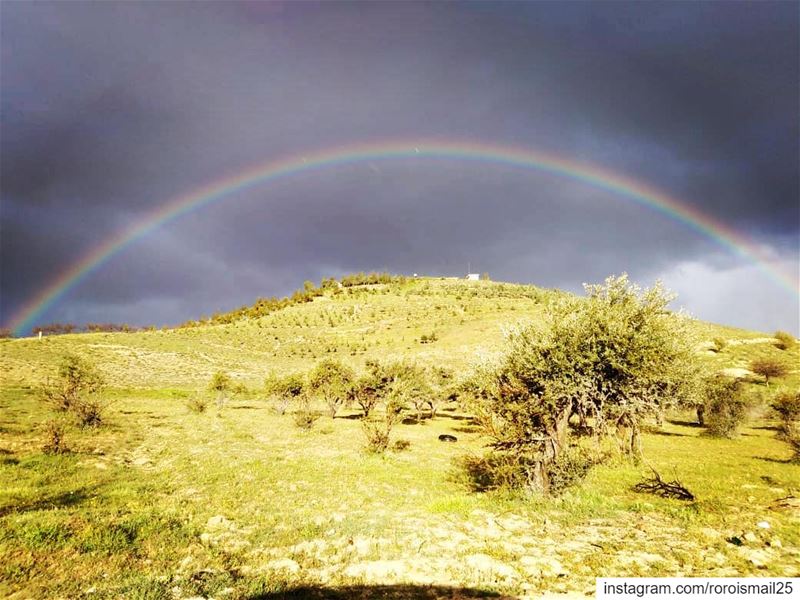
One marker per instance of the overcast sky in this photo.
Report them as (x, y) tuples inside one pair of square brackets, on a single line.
[(111, 109)]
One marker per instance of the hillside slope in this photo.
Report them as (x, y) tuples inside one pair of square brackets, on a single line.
[(354, 324)]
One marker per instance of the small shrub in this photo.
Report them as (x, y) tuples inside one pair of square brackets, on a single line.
[(378, 430), (377, 436), (55, 434), (491, 472), (725, 408), (401, 445), (90, 412), (197, 404), (305, 417), (769, 368), (784, 340), (77, 378), (719, 344), (570, 468)]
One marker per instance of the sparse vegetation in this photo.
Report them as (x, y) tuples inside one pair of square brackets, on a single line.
[(163, 502)]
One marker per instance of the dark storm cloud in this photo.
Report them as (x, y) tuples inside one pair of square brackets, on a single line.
[(110, 109)]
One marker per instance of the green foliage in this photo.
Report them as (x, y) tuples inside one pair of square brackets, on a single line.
[(787, 405), (719, 344), (769, 368), (725, 406), (331, 381), (785, 340), (284, 389), (617, 356), (77, 391), (77, 378)]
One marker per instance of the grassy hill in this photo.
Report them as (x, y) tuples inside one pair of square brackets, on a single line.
[(161, 502), (354, 324)]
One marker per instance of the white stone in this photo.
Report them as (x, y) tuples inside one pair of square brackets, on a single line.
[(485, 564), (218, 522), (763, 524), (283, 564)]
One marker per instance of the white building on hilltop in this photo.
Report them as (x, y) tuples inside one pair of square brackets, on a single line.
[(473, 276)]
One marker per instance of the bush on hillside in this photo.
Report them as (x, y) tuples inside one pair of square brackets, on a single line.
[(784, 340), (76, 390), (197, 404), (787, 405), (55, 437), (725, 407), (221, 383), (618, 355), (719, 344)]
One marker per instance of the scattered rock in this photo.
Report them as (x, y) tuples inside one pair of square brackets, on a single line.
[(763, 524), (283, 564), (538, 566), (376, 570), (218, 522), (446, 437), (488, 566), (750, 537)]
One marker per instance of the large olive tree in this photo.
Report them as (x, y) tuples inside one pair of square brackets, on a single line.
[(611, 358)]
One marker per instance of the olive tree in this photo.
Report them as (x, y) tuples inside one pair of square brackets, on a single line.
[(284, 389), (616, 357), (331, 381)]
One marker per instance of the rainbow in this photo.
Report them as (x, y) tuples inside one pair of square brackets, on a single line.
[(636, 191)]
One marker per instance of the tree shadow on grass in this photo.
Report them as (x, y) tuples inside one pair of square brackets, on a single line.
[(780, 461), (684, 423), (61, 500), (382, 592), (666, 433)]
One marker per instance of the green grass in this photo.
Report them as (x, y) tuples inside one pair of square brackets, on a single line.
[(162, 502)]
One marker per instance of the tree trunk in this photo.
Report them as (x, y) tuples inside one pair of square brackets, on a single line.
[(701, 415)]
